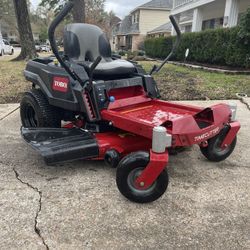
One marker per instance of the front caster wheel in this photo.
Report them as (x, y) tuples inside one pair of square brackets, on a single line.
[(214, 152), (129, 169)]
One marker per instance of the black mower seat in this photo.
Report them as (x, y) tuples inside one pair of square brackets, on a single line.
[(113, 68), (83, 43)]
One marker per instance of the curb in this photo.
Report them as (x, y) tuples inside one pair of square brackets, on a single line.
[(208, 69)]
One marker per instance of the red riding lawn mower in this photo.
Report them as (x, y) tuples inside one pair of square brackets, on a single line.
[(86, 103)]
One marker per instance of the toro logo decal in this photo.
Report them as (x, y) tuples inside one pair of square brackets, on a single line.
[(60, 84), (207, 135)]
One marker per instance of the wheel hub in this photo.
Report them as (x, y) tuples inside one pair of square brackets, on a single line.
[(30, 116), (221, 150), (138, 189)]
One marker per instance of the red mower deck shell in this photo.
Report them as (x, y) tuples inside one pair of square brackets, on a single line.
[(180, 121)]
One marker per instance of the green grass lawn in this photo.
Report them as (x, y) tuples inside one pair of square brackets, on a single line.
[(182, 83), (174, 82), (12, 81)]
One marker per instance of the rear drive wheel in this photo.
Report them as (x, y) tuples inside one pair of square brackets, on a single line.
[(214, 152), (1, 53), (35, 111), (12, 52), (129, 169)]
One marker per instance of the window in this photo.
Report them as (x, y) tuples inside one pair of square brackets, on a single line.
[(212, 23), (208, 24), (136, 17), (5, 42), (239, 17), (188, 28)]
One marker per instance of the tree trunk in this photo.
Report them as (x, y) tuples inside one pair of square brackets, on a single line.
[(79, 11), (28, 50)]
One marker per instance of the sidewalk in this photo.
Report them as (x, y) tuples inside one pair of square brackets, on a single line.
[(77, 205)]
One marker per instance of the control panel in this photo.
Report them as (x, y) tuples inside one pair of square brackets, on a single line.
[(103, 87)]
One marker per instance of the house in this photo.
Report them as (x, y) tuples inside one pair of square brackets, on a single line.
[(11, 34), (36, 30), (8, 32), (163, 30), (197, 15), (130, 33)]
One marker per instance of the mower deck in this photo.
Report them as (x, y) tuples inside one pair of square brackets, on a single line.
[(143, 117), (187, 124)]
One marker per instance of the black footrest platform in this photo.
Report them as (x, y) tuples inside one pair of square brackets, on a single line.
[(61, 144)]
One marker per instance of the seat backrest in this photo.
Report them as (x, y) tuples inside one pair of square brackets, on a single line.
[(85, 42)]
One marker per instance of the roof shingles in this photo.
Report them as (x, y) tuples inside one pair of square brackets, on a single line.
[(127, 27), (168, 4), (166, 27)]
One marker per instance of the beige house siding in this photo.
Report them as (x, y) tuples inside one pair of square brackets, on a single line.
[(150, 19)]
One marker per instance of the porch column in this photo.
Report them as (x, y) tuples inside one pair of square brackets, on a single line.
[(177, 19), (231, 13), (197, 20)]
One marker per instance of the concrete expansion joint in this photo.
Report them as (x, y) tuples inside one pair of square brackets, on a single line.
[(9, 113), (36, 228), (244, 102)]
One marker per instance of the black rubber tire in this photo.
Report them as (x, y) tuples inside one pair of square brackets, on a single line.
[(36, 111), (129, 165), (12, 52), (112, 158), (213, 152), (1, 53)]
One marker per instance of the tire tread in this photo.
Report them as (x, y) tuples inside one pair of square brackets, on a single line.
[(49, 115)]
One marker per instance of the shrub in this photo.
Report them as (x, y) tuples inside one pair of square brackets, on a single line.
[(140, 53), (244, 32), (221, 46), (121, 53), (141, 46), (158, 47)]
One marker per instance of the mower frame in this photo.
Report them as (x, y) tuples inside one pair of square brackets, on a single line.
[(136, 120)]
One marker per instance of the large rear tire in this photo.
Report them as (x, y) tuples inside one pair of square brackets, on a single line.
[(129, 168), (36, 111)]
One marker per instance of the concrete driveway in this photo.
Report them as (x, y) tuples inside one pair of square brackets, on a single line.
[(77, 205)]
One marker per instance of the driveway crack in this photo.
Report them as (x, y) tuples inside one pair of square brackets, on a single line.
[(36, 228)]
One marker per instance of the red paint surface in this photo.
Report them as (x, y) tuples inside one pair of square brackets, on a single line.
[(234, 128), (180, 120), (122, 141), (157, 164)]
